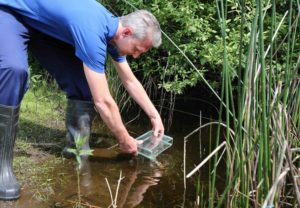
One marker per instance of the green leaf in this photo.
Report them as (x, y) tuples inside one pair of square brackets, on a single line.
[(86, 152), (74, 151)]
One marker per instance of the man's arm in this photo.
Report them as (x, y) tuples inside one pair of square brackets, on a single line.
[(138, 93), (108, 109)]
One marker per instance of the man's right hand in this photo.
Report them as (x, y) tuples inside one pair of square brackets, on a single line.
[(128, 145)]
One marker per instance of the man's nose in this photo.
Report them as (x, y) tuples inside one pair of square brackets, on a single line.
[(136, 55)]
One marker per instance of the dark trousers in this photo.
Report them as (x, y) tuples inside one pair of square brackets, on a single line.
[(57, 57)]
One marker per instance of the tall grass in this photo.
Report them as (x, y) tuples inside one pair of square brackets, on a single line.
[(266, 119)]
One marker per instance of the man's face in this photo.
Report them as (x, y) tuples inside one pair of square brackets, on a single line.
[(128, 45)]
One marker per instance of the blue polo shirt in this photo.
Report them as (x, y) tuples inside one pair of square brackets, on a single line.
[(85, 24)]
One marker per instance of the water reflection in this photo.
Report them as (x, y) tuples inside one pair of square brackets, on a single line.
[(136, 185), (133, 187)]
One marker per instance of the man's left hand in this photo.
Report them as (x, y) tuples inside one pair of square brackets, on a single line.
[(157, 127)]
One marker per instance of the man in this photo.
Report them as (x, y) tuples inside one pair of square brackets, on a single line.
[(70, 39)]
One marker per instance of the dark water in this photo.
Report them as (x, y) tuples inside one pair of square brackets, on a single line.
[(144, 183)]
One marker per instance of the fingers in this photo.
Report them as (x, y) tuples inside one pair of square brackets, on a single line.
[(158, 128), (130, 150), (156, 132), (130, 147), (139, 142)]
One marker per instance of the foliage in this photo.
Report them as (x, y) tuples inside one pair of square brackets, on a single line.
[(39, 78), (194, 26), (166, 63), (78, 151)]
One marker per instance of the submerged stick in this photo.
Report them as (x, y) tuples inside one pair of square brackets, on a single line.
[(118, 186), (110, 193), (206, 159), (114, 200)]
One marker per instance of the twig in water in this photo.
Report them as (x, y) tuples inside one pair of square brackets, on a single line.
[(114, 200), (206, 159), (112, 147), (117, 190), (109, 189)]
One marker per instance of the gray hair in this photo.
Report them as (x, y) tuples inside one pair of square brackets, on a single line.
[(144, 25)]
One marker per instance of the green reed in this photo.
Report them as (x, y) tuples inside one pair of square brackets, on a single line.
[(267, 114)]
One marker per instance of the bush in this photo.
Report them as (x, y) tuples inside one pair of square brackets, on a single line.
[(194, 26)]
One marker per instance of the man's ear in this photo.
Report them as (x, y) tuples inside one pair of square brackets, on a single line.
[(127, 31)]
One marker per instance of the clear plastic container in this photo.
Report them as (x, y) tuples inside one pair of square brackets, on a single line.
[(152, 146)]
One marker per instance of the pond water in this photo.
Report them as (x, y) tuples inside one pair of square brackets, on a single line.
[(144, 183)]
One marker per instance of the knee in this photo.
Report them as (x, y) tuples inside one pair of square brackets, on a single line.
[(14, 80), (15, 76), (17, 72)]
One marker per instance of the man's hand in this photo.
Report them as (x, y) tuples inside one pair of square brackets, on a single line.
[(128, 145), (157, 127)]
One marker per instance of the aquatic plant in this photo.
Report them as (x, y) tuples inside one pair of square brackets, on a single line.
[(79, 153)]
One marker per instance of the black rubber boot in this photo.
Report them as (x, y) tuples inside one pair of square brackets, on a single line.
[(79, 117), (9, 187)]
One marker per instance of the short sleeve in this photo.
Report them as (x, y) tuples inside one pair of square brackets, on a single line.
[(90, 48), (113, 52), (91, 35)]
